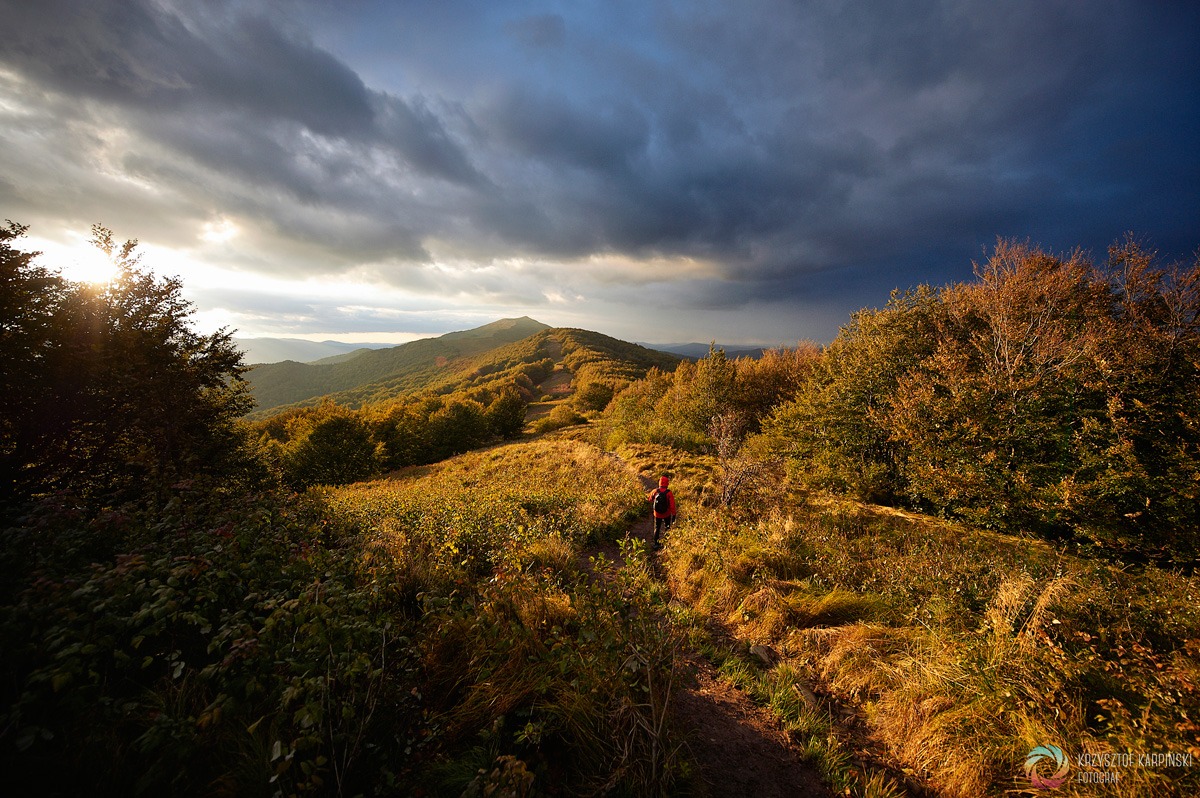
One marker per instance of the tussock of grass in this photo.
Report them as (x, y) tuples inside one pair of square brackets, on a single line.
[(551, 553), (767, 613)]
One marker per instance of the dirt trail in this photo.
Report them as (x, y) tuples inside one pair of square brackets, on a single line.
[(557, 384), (738, 745)]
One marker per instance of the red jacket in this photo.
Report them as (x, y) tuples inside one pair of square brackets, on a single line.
[(670, 495)]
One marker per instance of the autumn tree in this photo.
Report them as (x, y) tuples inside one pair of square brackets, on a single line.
[(1137, 455), (593, 396), (697, 393), (986, 423), (458, 426), (1061, 398), (833, 430), (632, 414), (763, 383), (505, 414)]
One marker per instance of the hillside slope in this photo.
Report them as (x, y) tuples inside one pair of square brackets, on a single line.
[(408, 367), (511, 352), (580, 357)]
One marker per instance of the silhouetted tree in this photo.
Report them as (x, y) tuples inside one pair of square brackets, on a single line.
[(109, 391)]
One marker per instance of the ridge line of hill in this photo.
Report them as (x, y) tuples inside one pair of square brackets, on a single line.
[(493, 356)]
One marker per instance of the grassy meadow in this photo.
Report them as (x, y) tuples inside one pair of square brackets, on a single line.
[(533, 668), (942, 654)]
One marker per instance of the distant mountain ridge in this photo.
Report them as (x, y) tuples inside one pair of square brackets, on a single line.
[(418, 362), (277, 350), (695, 351)]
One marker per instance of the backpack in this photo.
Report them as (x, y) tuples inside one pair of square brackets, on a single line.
[(662, 502)]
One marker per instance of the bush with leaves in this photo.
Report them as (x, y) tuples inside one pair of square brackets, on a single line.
[(762, 384), (592, 397), (1051, 395), (679, 409), (236, 645), (1062, 397), (505, 414), (832, 429), (331, 446), (560, 416)]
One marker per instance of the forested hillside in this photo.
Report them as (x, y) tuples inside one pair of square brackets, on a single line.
[(277, 350), (961, 533), (381, 427), (408, 367)]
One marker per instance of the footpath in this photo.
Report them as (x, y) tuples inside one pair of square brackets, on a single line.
[(738, 746)]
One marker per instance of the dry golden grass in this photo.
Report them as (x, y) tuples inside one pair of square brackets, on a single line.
[(777, 607), (520, 648), (962, 650), (553, 553)]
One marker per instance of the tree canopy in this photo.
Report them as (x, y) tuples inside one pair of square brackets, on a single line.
[(1051, 394), (109, 391)]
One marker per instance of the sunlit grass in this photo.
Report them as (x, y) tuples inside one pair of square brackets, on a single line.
[(961, 649), (528, 501), (538, 675)]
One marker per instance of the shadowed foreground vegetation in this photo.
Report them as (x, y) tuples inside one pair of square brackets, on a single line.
[(433, 633)]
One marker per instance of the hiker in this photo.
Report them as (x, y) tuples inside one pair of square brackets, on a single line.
[(662, 502)]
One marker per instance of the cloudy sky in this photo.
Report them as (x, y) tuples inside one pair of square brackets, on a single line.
[(658, 171)]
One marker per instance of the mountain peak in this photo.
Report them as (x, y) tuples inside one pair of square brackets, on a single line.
[(520, 321), (523, 326)]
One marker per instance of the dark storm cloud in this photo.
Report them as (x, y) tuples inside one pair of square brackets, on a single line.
[(147, 55), (237, 79), (972, 111), (552, 129), (806, 151)]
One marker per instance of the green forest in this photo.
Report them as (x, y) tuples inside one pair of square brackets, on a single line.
[(963, 529)]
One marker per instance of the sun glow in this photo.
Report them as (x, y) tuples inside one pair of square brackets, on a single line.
[(218, 232), (77, 260)]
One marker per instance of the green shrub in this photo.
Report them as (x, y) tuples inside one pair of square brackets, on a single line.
[(560, 416), (237, 645), (335, 447)]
